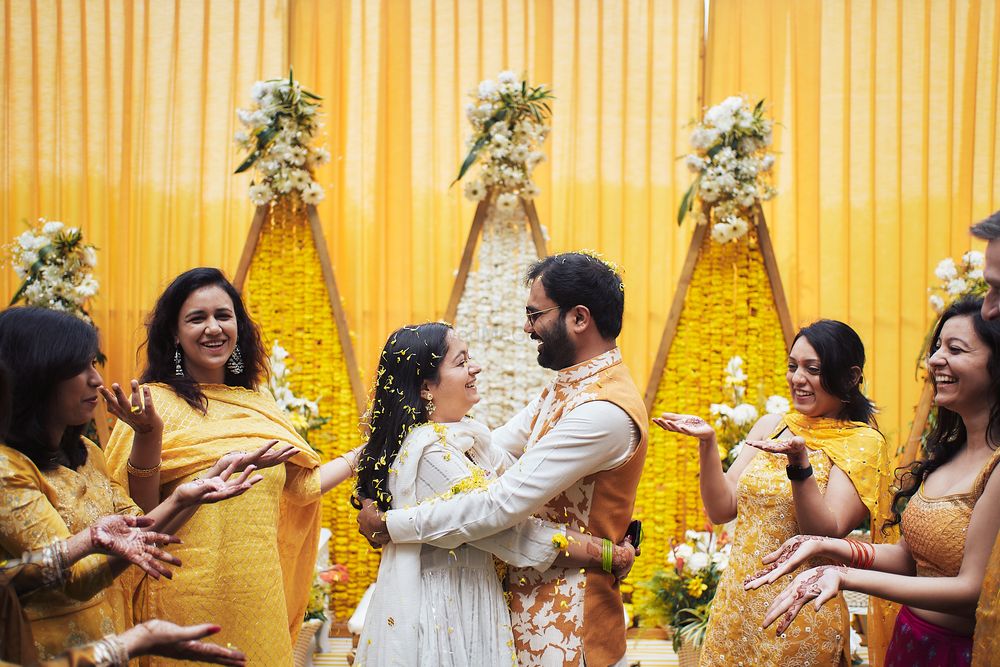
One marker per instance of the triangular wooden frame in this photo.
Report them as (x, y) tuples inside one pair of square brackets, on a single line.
[(468, 255), (680, 295), (333, 294)]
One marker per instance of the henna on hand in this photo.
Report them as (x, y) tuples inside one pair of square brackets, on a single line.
[(787, 551), (121, 536), (805, 591)]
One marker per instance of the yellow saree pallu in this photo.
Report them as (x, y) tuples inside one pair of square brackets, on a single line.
[(765, 519), (248, 561)]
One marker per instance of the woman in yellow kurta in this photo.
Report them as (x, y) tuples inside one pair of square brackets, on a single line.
[(822, 475), (951, 516), (54, 483), (119, 535), (248, 564)]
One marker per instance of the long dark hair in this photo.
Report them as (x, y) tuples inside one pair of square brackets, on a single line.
[(949, 432), (161, 330), (410, 357), (839, 349), (40, 349)]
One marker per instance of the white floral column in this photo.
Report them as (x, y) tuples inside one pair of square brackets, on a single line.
[(509, 123), (490, 317)]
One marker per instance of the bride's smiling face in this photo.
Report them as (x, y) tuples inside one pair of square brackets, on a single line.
[(454, 391)]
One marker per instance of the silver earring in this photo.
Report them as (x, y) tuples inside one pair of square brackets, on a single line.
[(235, 363), (178, 367), (429, 407)]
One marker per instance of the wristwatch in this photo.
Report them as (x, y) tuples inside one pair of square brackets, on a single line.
[(797, 474)]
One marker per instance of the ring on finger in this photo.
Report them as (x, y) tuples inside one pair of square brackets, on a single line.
[(135, 409)]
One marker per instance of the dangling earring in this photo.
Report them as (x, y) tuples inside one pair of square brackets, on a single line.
[(235, 363), (178, 367), (429, 407)]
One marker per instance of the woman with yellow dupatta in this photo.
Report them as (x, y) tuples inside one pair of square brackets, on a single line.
[(819, 473), (248, 566), (951, 516)]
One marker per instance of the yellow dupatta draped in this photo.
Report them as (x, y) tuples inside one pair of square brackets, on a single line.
[(245, 555), (862, 453)]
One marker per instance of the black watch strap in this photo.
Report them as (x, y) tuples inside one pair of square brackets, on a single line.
[(797, 474)]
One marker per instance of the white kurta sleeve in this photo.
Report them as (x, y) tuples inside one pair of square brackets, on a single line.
[(595, 436), (442, 472)]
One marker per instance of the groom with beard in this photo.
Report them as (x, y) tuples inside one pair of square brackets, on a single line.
[(580, 447)]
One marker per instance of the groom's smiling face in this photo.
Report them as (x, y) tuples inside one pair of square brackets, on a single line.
[(546, 324)]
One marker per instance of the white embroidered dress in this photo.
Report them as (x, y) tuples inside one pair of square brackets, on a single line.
[(445, 607)]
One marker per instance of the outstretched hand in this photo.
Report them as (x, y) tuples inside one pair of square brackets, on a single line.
[(220, 487), (793, 448), (691, 425), (126, 537), (820, 584), (785, 559), (136, 411), (169, 640), (266, 456), (371, 525)]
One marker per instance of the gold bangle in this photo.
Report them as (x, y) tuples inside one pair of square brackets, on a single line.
[(350, 466), (142, 472)]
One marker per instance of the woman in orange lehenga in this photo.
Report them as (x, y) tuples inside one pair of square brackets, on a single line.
[(821, 475)]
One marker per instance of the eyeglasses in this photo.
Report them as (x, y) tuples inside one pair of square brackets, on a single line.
[(533, 315)]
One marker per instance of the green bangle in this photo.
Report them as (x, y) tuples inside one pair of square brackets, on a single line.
[(607, 554)]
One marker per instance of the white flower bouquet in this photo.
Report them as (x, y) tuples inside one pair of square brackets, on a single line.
[(303, 413), (732, 164), (735, 418), (958, 279), (280, 125), (56, 268), (509, 123)]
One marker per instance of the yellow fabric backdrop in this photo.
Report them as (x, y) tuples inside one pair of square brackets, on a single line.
[(888, 151), (117, 116), (395, 76)]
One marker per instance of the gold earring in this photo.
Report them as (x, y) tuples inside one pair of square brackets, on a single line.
[(429, 407)]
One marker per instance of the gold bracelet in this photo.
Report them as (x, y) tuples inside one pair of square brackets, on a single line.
[(142, 472)]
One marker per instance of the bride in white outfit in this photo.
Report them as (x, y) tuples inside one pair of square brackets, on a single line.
[(445, 607)]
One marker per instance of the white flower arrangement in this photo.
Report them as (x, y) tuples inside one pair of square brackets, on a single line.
[(280, 125), (732, 164), (735, 419), (509, 123), (56, 268), (960, 279), (490, 318), (303, 413)]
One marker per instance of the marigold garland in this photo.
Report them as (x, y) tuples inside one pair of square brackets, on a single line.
[(728, 311), (287, 295)]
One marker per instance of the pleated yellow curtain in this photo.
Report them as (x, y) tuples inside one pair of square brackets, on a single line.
[(117, 117), (888, 151), (394, 78)]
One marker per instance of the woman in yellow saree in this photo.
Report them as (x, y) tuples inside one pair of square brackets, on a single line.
[(249, 564), (819, 471)]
